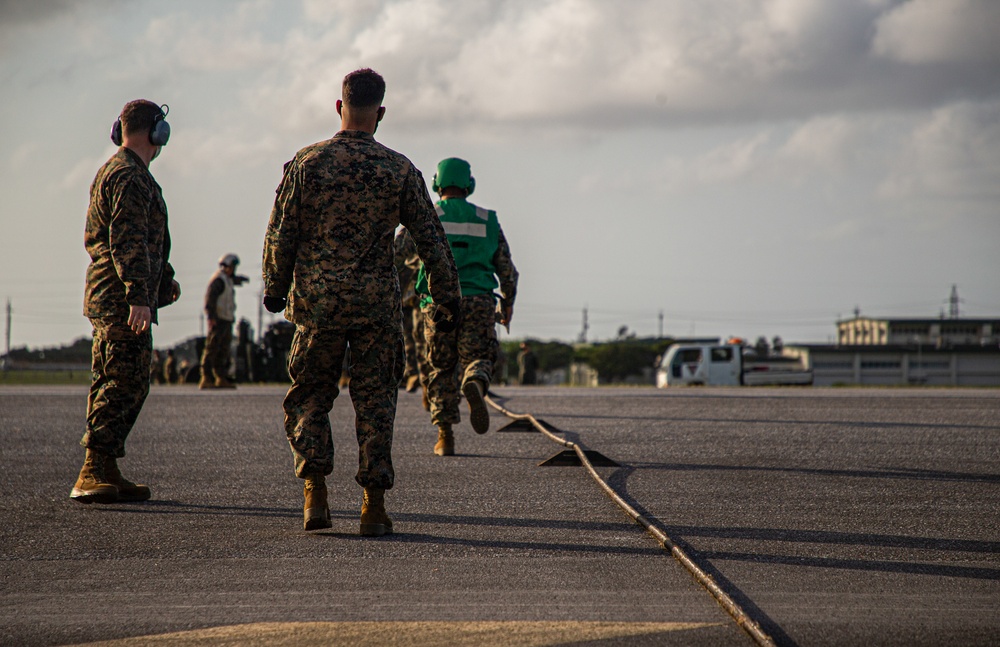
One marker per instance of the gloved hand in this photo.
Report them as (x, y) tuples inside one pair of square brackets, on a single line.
[(175, 291), (275, 304), (447, 316)]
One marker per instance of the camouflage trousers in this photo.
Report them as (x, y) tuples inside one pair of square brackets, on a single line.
[(473, 345), (119, 385), (376, 367), (415, 345), (409, 343), (215, 357)]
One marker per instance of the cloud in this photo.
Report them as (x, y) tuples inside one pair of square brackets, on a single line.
[(953, 154), (940, 31), (20, 12), (585, 63), (81, 174)]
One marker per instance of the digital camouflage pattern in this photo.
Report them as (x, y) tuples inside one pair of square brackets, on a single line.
[(127, 239), (506, 272), (473, 346), (120, 362), (329, 250), (419, 336), (404, 251), (329, 243), (407, 262), (376, 365)]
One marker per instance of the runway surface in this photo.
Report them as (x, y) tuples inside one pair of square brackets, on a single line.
[(832, 516)]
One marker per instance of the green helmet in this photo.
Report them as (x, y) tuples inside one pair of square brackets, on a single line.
[(454, 172)]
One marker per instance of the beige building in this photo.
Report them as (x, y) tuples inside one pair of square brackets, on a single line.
[(936, 352), (940, 333)]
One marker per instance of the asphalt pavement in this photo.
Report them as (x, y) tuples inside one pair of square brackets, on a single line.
[(832, 516)]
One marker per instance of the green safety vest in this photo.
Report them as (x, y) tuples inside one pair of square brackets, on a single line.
[(473, 234)]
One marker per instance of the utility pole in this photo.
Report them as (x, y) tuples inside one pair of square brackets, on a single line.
[(6, 356), (661, 325), (260, 315), (953, 302), (583, 333)]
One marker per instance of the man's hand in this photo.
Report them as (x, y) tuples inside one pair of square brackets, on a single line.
[(506, 314), (139, 319), (175, 292), (447, 316), (211, 322), (275, 304)]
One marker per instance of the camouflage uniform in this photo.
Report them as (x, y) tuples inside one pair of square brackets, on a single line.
[(128, 241), (471, 350), (407, 263), (329, 248)]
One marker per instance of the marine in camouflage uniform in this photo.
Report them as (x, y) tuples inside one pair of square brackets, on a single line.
[(128, 279), (328, 250), (482, 254), (407, 263)]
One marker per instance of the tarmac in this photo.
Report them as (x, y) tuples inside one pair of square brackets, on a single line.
[(829, 516)]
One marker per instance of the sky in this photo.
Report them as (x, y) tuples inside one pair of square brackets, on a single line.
[(684, 167)]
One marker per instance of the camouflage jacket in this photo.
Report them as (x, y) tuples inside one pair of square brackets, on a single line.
[(128, 240), (407, 263), (329, 242)]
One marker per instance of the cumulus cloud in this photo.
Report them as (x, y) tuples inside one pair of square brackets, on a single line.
[(940, 31), (526, 63)]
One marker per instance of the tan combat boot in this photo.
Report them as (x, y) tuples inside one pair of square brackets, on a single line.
[(426, 400), (374, 520), (412, 383), (316, 510), (222, 382), (206, 381), (446, 441), (479, 415), (92, 486), (127, 490)]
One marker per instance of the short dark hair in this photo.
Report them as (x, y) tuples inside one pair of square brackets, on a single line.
[(364, 88), (139, 116)]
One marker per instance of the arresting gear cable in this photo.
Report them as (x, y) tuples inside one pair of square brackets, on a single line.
[(584, 456)]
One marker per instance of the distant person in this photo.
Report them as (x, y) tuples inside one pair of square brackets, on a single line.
[(482, 256), (170, 368), (527, 365), (128, 279), (156, 369), (220, 311), (328, 262)]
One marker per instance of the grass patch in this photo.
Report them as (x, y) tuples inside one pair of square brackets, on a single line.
[(20, 376)]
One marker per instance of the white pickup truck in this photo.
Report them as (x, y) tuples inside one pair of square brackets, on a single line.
[(728, 365)]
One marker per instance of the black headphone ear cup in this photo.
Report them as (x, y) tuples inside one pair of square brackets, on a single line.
[(472, 186), (116, 132), (159, 133)]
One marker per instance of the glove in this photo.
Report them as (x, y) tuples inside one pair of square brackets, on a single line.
[(447, 316), (275, 304)]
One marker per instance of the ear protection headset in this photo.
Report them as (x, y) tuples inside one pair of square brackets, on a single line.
[(159, 132)]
